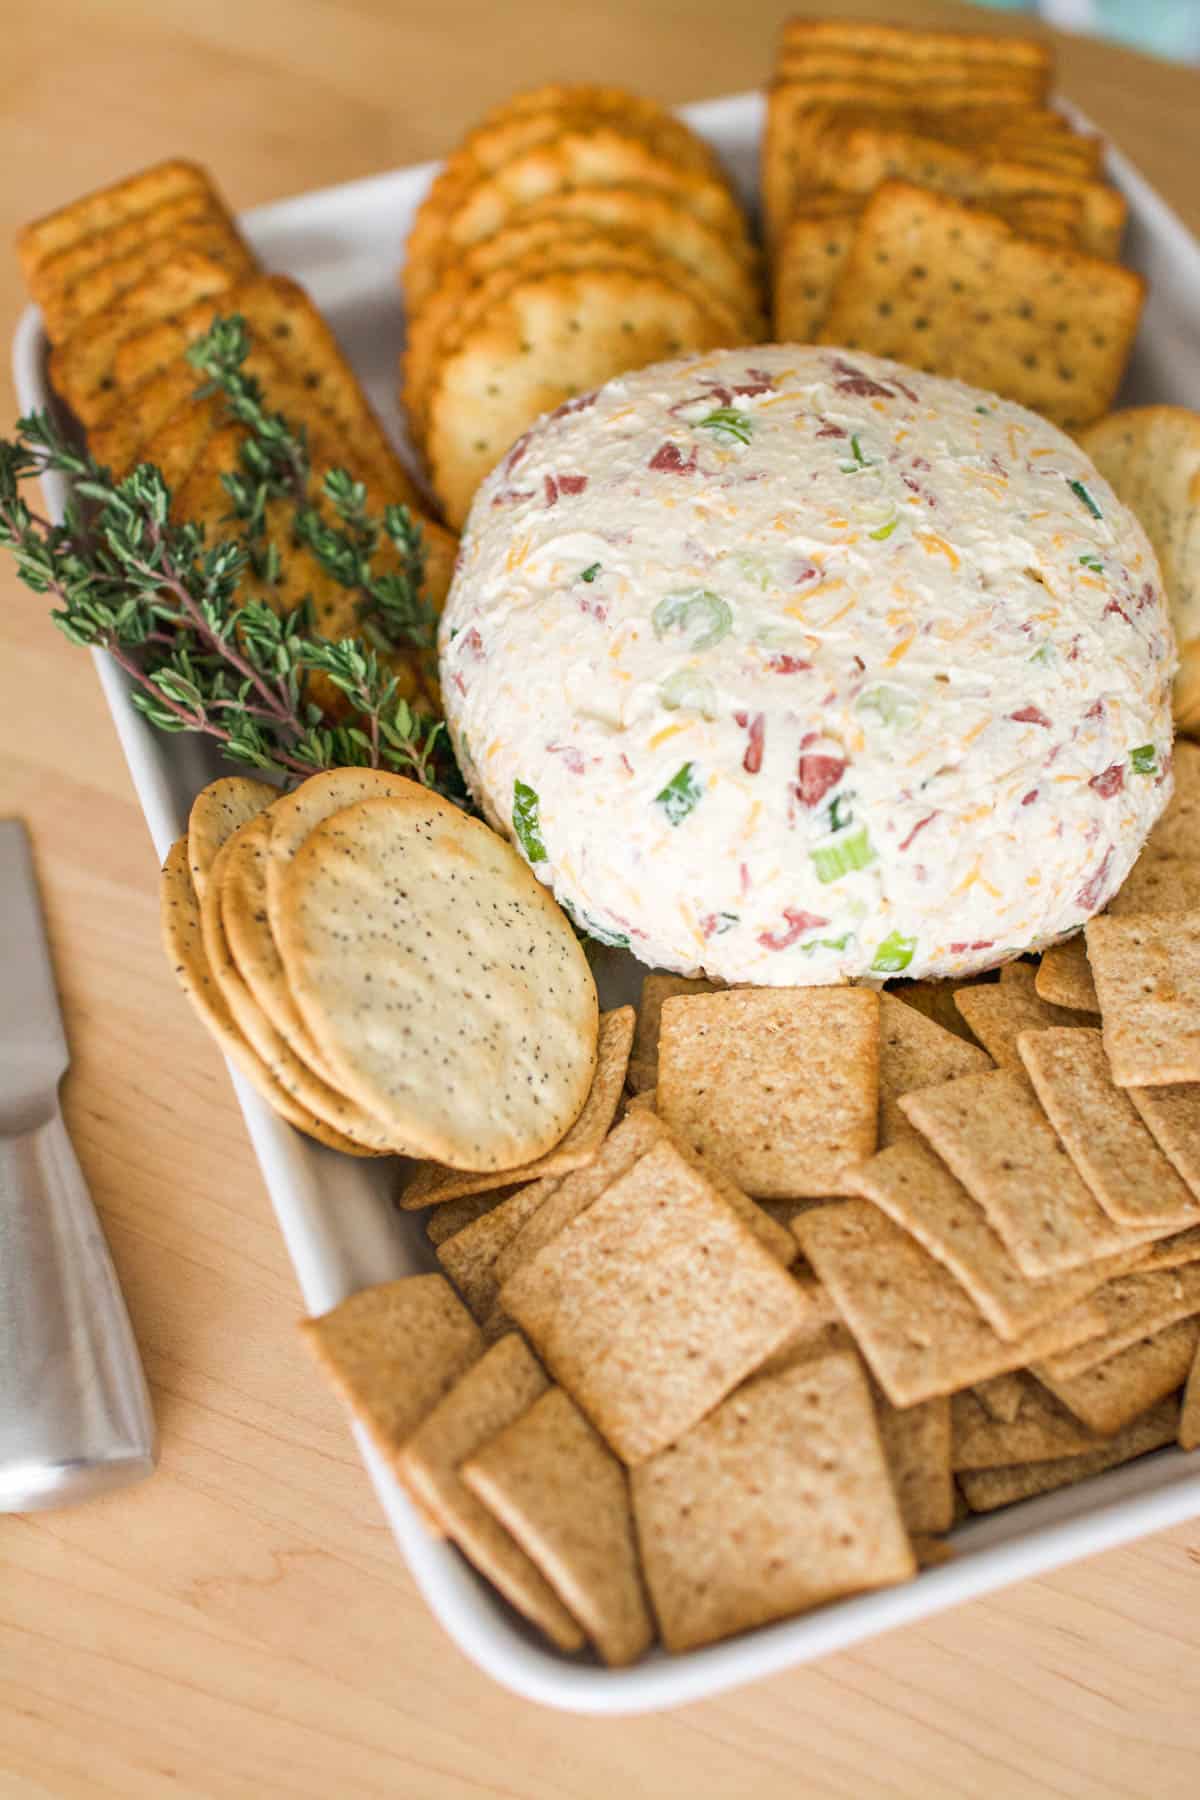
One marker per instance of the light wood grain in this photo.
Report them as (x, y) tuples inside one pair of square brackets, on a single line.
[(241, 1625)]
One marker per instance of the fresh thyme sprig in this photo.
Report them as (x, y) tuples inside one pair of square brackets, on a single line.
[(172, 609)]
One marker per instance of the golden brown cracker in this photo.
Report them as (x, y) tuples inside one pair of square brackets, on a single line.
[(1147, 974), (1114, 1393), (916, 1052), (469, 1256), (986, 1489)]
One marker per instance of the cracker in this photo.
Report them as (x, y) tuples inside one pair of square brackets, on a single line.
[(1043, 1433), (1151, 456), (1178, 830), (748, 1519), (580, 327), (941, 285), (998, 1012), (936, 1000), (392, 1352), (1147, 974), (653, 1304), (1158, 885), (432, 1184), (657, 988), (646, 1100), (808, 261), (469, 1256), (780, 1087), (1002, 1397), (917, 1192), (488, 1396), (1171, 1252), (1189, 1417), (915, 1052), (391, 912), (986, 1489), (1115, 1392), (300, 812), (1135, 1306), (58, 272), (915, 1325), (916, 1447), (995, 1137), (183, 941), (107, 208), (1103, 1133), (444, 1221), (1172, 1117), (558, 1489), (901, 45), (1064, 977), (213, 235), (219, 810)]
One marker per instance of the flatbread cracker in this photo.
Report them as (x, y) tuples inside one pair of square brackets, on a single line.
[(780, 1087), (495, 1390), (1115, 1392), (1172, 1117), (915, 1325), (918, 1192), (1172, 1252), (1161, 885), (1043, 1433), (1103, 1133), (998, 1012), (407, 898), (219, 810), (1002, 1397), (986, 1489), (1134, 1307), (747, 1519), (657, 988), (444, 1221), (1064, 977), (916, 1447), (469, 1256), (653, 1304), (994, 1136), (391, 1353), (936, 1000), (432, 1184), (1147, 974), (558, 1489), (916, 1052)]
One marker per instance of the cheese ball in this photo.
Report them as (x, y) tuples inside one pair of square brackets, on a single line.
[(792, 665)]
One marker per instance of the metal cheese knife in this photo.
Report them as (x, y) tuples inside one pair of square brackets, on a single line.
[(75, 1416)]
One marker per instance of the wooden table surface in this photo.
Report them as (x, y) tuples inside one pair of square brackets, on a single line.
[(242, 1624)]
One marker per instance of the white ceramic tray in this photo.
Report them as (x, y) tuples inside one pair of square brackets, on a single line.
[(341, 1230)]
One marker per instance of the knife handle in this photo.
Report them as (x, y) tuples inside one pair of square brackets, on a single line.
[(75, 1417)]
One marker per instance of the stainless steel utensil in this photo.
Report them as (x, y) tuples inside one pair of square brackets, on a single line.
[(75, 1416)]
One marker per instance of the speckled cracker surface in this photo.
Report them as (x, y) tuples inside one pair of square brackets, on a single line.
[(780, 1087), (1043, 1431), (219, 810), (986, 1489), (556, 1486), (1172, 1117), (995, 1137), (1115, 1392), (502, 1385), (440, 981), (1134, 1307), (915, 1051), (916, 1448), (315, 800), (749, 1519), (1147, 974), (656, 988), (393, 1351), (653, 1304), (1064, 977), (1103, 1133), (1002, 1397), (916, 1326), (1000, 1011), (469, 1257)]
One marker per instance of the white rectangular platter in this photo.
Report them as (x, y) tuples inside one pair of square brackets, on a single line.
[(340, 1226)]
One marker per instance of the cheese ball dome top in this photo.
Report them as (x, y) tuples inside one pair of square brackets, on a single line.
[(794, 665)]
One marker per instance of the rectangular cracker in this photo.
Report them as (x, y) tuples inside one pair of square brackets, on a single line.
[(998, 1012), (1171, 1252), (432, 1183), (1147, 974), (1064, 977), (1134, 1307), (1043, 1433), (1172, 1117), (57, 273), (108, 207), (1103, 1132), (643, 1061), (915, 1325), (918, 1192), (901, 44), (1115, 1392), (807, 263), (986, 1489), (562, 1495), (1159, 885), (444, 1221), (653, 1304), (995, 1137), (916, 1052), (936, 1000), (469, 1256), (1002, 1397), (212, 234), (393, 1351), (1189, 1417), (779, 1087), (747, 1519), (501, 1386), (916, 1447), (948, 286)]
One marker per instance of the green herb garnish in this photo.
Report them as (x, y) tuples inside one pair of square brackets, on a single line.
[(827, 943), (894, 954), (860, 461), (681, 794), (1081, 494), (885, 531), (690, 691), (727, 423), (983, 409), (701, 616), (723, 922), (527, 821), (1043, 655), (1093, 563), (843, 856), (1144, 760), (590, 573)]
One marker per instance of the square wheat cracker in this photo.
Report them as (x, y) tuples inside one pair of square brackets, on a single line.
[(501, 1386), (1001, 1397), (1114, 1393), (1135, 1307), (1043, 1432), (998, 1012), (749, 1518), (555, 1485), (1064, 977), (915, 1052), (1147, 974), (779, 1087), (986, 1489), (994, 1136), (916, 1447), (1172, 1117), (655, 989), (469, 1256), (653, 1304), (916, 1326)]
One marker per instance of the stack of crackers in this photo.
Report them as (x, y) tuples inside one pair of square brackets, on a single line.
[(850, 1265), (576, 233), (922, 200), (387, 972), (126, 279)]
